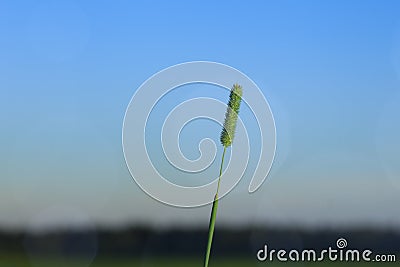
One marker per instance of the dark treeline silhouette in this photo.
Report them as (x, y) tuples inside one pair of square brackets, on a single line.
[(141, 241)]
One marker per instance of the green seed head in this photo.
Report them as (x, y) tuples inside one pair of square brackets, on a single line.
[(231, 115)]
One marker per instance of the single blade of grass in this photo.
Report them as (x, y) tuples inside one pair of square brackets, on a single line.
[(226, 138)]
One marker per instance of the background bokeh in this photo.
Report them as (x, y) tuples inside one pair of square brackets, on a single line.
[(330, 71)]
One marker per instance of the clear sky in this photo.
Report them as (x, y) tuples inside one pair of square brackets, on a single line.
[(329, 69)]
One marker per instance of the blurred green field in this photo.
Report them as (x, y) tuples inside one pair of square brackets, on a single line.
[(22, 261)]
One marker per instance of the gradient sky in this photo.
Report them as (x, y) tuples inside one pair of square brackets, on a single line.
[(329, 69)]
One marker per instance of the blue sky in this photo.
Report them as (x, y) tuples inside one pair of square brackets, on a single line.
[(329, 69)]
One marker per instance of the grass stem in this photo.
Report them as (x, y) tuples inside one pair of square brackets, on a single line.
[(213, 214)]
